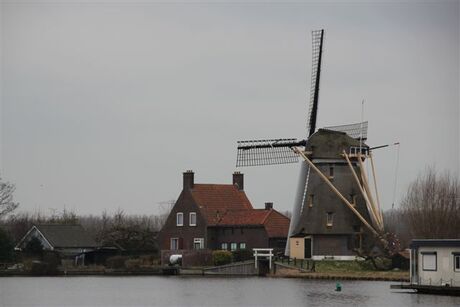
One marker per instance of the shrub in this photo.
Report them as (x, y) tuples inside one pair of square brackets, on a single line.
[(38, 268), (221, 257), (147, 259), (133, 264), (116, 262), (6, 247), (242, 255)]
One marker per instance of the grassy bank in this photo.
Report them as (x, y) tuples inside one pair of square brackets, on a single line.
[(331, 269)]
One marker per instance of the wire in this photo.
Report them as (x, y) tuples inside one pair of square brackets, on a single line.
[(396, 175)]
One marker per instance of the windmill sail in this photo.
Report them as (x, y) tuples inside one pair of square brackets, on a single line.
[(299, 202), (317, 53), (267, 152), (357, 131)]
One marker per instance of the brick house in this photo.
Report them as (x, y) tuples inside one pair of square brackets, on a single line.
[(220, 216)]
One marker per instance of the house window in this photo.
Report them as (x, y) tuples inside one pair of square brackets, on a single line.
[(174, 243), (180, 219), (429, 260), (457, 262), (198, 243), (329, 219), (242, 245), (192, 219), (224, 246), (233, 246), (311, 198)]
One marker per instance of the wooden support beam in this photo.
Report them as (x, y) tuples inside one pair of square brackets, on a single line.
[(375, 218), (366, 188), (334, 189), (375, 186)]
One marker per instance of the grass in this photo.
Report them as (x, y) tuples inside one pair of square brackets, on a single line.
[(335, 269)]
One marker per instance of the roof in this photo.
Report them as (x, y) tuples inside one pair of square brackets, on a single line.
[(66, 235), (275, 223), (215, 199), (435, 243)]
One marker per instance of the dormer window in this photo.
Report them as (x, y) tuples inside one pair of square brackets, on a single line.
[(179, 219), (192, 219)]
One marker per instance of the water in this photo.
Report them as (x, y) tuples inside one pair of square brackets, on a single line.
[(204, 291)]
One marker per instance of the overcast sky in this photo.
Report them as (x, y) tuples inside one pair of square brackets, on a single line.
[(105, 105)]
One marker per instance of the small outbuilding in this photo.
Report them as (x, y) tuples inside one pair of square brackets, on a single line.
[(435, 262), (434, 267), (67, 240)]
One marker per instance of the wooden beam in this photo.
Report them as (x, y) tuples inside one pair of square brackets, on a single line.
[(375, 186), (366, 187), (334, 189), (375, 218)]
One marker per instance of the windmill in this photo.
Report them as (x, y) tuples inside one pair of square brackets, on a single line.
[(348, 159)]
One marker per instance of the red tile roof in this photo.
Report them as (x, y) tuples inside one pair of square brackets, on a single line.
[(224, 204), (215, 199), (275, 223), (244, 217)]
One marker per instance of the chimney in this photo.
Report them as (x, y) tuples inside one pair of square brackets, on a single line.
[(268, 206), (188, 179), (238, 180)]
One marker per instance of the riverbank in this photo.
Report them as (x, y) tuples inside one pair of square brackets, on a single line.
[(280, 272), (400, 276)]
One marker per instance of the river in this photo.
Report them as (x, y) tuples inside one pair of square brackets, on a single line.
[(205, 291)]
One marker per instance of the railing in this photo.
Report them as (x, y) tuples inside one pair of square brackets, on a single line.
[(265, 253)]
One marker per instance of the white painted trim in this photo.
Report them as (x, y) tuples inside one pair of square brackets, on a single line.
[(17, 247), (190, 219), (52, 247), (177, 215)]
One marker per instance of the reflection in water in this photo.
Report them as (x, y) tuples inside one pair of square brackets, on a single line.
[(204, 291)]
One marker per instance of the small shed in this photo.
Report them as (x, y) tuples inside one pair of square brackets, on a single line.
[(435, 263), (68, 240)]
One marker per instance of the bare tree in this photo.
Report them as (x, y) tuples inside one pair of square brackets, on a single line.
[(7, 204), (431, 207)]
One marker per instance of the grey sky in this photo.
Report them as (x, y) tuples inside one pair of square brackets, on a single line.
[(104, 105)]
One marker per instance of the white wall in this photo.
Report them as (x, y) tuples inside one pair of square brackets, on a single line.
[(445, 267)]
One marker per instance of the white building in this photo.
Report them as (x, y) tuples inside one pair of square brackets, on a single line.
[(435, 263)]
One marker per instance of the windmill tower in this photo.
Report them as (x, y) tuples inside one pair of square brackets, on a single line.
[(335, 213)]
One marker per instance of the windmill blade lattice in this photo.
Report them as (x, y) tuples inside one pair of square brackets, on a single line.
[(356, 131), (267, 152)]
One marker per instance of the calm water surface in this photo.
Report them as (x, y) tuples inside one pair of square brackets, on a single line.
[(204, 291)]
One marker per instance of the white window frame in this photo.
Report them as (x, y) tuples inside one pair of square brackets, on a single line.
[(425, 258), (190, 219), (242, 245), (456, 256), (199, 241), (233, 244), (224, 246), (181, 214), (171, 244)]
